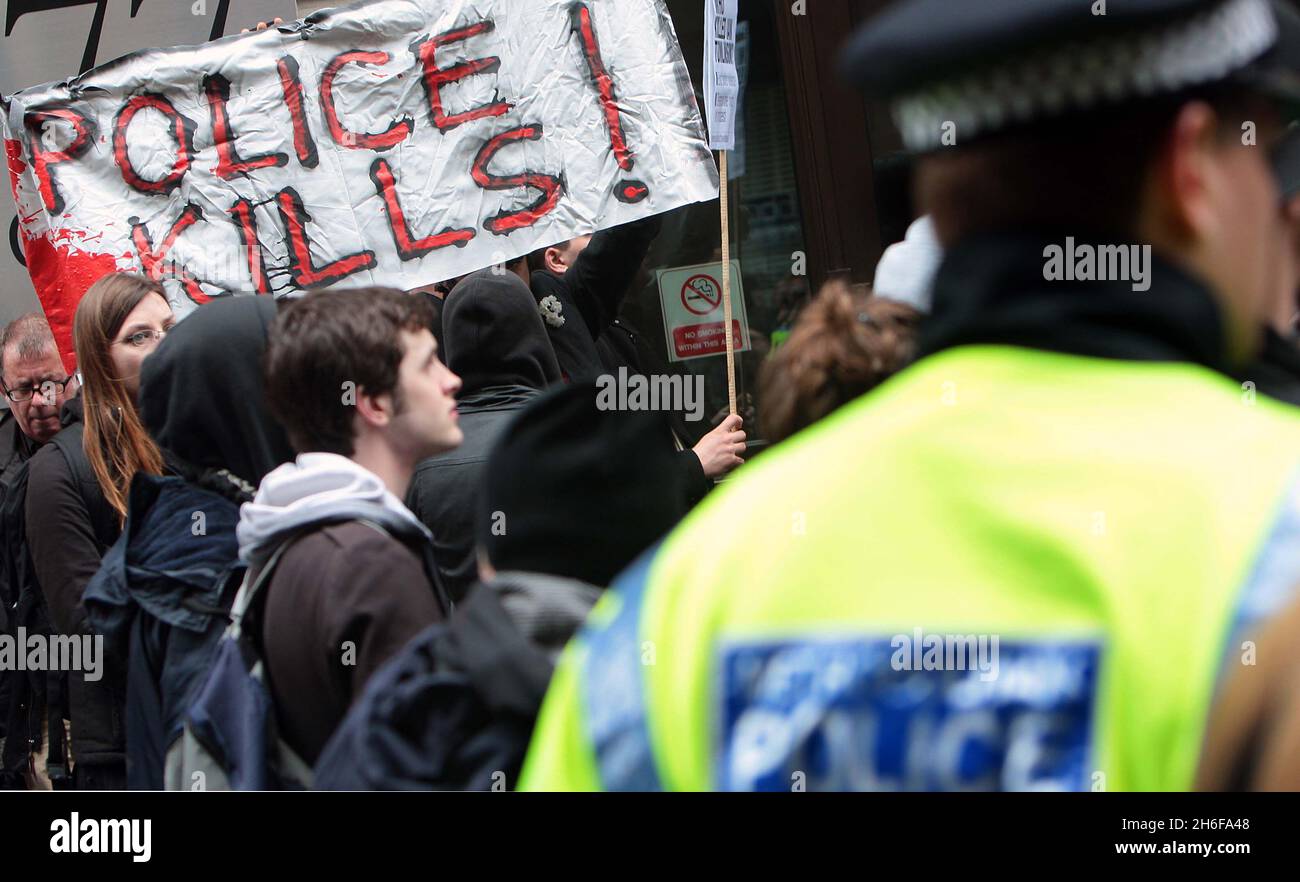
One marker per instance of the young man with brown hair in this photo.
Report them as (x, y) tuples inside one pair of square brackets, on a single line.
[(355, 378)]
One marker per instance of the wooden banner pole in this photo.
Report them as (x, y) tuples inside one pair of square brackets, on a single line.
[(726, 288)]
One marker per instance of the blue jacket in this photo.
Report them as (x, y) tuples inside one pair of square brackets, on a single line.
[(161, 599)]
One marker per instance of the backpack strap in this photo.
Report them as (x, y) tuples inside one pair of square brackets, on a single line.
[(430, 566), (253, 582), (103, 520), (252, 585)]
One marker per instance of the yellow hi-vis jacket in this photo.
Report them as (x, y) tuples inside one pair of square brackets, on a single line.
[(1003, 569)]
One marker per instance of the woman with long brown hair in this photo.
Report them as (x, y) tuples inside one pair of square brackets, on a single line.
[(76, 498), (121, 319)]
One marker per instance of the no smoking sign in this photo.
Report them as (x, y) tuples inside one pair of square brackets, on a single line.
[(691, 298), (702, 294)]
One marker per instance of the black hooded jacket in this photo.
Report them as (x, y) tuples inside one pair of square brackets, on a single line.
[(164, 589), (15, 447), (32, 700), (591, 292), (202, 394), (496, 343), (593, 339)]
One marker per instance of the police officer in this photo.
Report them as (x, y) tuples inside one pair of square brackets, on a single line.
[(1026, 561)]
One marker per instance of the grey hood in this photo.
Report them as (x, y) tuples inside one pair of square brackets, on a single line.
[(318, 488), (546, 609)]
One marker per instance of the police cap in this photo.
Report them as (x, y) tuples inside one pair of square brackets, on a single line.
[(979, 67)]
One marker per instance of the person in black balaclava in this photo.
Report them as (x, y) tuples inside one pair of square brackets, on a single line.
[(496, 343), (201, 398), (202, 393)]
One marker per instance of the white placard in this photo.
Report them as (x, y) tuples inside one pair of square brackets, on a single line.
[(721, 83)]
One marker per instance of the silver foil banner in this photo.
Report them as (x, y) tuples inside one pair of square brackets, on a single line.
[(395, 142), (43, 40)]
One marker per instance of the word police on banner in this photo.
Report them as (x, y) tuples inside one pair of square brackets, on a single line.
[(396, 142), (44, 40), (691, 299)]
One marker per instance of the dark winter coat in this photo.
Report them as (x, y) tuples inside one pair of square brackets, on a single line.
[(593, 339), (619, 347), (445, 490), (343, 600), (158, 600), (590, 293), (455, 710), (70, 526), (497, 344), (15, 447), (25, 705)]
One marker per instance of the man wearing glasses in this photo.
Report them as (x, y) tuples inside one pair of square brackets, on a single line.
[(36, 385)]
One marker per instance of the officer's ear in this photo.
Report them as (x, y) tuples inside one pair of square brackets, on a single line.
[(1189, 180)]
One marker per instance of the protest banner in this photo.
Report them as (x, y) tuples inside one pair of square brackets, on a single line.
[(395, 142), (44, 40)]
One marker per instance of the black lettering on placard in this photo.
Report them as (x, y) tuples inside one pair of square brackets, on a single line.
[(14, 245)]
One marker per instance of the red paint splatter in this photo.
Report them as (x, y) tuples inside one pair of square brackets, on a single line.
[(62, 273), (74, 237), (632, 191), (14, 153)]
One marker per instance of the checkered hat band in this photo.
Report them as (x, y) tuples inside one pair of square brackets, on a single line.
[(1084, 74)]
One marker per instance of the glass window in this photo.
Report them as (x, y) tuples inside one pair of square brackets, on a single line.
[(766, 228)]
